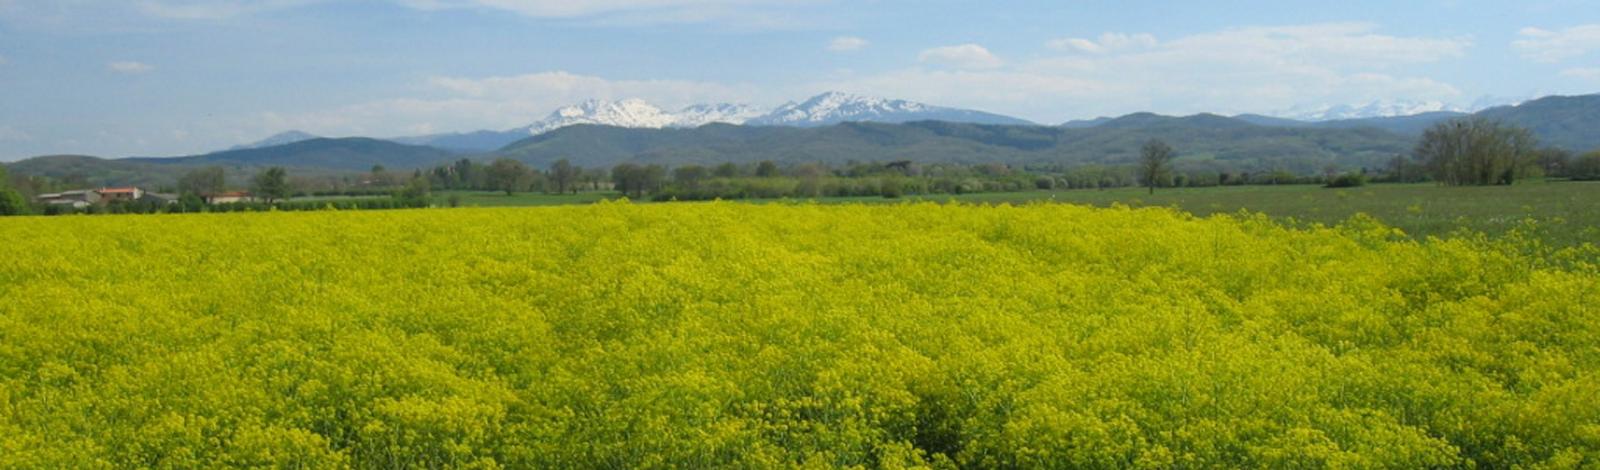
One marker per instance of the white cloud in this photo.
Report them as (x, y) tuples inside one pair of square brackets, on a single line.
[(761, 14), (1229, 71), (1237, 70), (562, 88), (1586, 73), (212, 9), (129, 67), (846, 43), (1330, 43), (1544, 45), (1108, 42), (12, 134), (494, 103), (102, 14), (965, 56)]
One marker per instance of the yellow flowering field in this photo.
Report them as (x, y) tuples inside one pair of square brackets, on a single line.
[(777, 336)]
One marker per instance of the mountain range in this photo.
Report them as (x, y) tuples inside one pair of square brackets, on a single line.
[(841, 128), (1372, 109), (821, 110)]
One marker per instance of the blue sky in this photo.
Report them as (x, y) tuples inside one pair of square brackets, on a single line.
[(170, 77)]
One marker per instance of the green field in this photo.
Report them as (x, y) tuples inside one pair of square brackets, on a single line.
[(1564, 213)]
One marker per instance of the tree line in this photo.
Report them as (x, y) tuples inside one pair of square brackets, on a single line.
[(1469, 151)]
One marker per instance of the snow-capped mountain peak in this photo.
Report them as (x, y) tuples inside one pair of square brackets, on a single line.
[(638, 113), (624, 113), (1373, 109), (833, 107), (821, 110), (702, 114)]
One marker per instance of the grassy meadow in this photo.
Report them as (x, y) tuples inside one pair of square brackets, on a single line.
[(699, 335)]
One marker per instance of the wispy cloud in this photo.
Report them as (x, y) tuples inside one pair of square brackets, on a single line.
[(129, 67), (1107, 43), (1545, 45), (965, 56), (746, 14), (1256, 69), (737, 14), (846, 43), (213, 9), (12, 134), (1586, 73), (501, 102)]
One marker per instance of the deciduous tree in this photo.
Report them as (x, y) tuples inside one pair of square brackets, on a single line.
[(510, 176), (1476, 151), (1155, 161), (271, 185)]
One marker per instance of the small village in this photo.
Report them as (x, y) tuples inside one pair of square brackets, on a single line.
[(83, 199)]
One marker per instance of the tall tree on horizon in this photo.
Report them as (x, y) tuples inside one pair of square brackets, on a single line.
[(271, 185), (1476, 151), (510, 176), (203, 182), (565, 174), (1155, 160)]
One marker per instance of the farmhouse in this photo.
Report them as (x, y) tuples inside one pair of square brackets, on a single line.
[(77, 199), (130, 193), (231, 196)]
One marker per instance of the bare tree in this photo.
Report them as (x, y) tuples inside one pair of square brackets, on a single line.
[(203, 182), (1476, 151), (1155, 161), (565, 175)]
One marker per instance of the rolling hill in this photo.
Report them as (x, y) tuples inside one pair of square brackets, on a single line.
[(1240, 143), (1569, 122), (346, 154), (95, 171), (1202, 139)]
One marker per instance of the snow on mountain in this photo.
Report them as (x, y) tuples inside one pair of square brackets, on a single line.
[(625, 113), (824, 109), (702, 114), (1374, 109), (833, 107), (640, 114)]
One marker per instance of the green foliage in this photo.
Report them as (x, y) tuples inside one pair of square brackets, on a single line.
[(415, 193), (564, 175), (788, 335), (638, 180), (271, 185), (204, 181), (1586, 167), (510, 176), (1476, 151), (11, 201), (1347, 180)]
